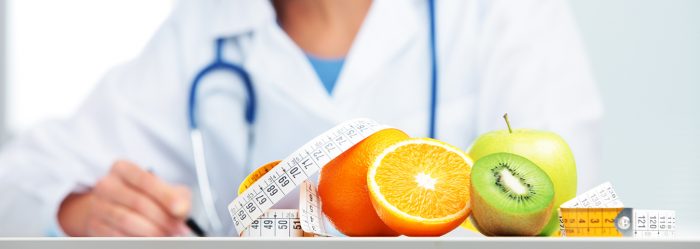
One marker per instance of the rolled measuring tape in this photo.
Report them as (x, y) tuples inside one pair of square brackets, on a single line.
[(270, 183), (599, 212), (307, 221)]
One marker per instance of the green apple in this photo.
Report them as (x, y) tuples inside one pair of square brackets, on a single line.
[(546, 149)]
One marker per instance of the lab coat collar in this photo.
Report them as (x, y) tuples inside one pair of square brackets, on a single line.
[(389, 27), (234, 17)]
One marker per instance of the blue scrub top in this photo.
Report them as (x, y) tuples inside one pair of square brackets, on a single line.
[(327, 70)]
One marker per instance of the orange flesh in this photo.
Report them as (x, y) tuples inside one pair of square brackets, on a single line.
[(424, 180)]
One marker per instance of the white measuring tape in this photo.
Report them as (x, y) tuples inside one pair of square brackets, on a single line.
[(292, 172), (599, 212), (603, 195), (277, 223), (307, 221), (310, 213)]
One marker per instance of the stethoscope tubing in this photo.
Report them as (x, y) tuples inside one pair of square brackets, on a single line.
[(203, 180), (433, 70)]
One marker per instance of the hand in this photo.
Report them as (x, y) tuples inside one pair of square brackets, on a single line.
[(128, 201)]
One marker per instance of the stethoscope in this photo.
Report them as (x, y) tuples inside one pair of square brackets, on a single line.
[(219, 64)]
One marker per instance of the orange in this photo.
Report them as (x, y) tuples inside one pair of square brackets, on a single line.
[(342, 187), (420, 187)]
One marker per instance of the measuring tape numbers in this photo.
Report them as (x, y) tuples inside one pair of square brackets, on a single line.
[(603, 195), (600, 213), (277, 223), (632, 222), (307, 221), (618, 222), (271, 183), (310, 213)]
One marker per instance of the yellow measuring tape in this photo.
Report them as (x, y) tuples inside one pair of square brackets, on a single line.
[(600, 213), (618, 222), (257, 174), (597, 212), (590, 222)]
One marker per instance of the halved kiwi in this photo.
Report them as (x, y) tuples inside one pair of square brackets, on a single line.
[(511, 196)]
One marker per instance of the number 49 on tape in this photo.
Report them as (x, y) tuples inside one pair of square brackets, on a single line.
[(307, 221)]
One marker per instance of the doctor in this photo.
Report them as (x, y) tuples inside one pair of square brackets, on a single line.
[(123, 164)]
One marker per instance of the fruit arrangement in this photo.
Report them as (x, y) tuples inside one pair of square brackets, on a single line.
[(509, 183), (545, 149)]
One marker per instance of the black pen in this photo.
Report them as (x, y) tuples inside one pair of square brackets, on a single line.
[(195, 228)]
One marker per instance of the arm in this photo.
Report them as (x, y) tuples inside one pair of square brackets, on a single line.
[(137, 111)]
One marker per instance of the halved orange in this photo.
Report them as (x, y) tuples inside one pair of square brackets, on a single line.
[(420, 187)]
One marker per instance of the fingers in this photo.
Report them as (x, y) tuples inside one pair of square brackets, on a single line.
[(112, 189), (116, 219), (98, 228), (176, 200), (126, 202)]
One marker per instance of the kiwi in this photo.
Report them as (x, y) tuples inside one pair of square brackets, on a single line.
[(511, 196)]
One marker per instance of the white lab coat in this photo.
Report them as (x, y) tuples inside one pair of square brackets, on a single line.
[(520, 57)]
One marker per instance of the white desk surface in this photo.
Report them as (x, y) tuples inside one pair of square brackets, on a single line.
[(362, 243)]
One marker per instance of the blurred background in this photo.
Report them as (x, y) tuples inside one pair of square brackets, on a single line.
[(645, 55)]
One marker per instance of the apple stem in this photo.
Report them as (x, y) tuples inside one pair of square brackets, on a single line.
[(505, 116)]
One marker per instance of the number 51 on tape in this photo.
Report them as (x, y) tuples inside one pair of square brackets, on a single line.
[(295, 169), (307, 221)]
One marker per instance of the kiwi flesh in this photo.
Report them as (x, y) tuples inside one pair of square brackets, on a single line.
[(511, 196)]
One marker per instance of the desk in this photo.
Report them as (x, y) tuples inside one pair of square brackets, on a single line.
[(338, 243)]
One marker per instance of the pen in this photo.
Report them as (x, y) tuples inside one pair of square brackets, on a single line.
[(195, 228)]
